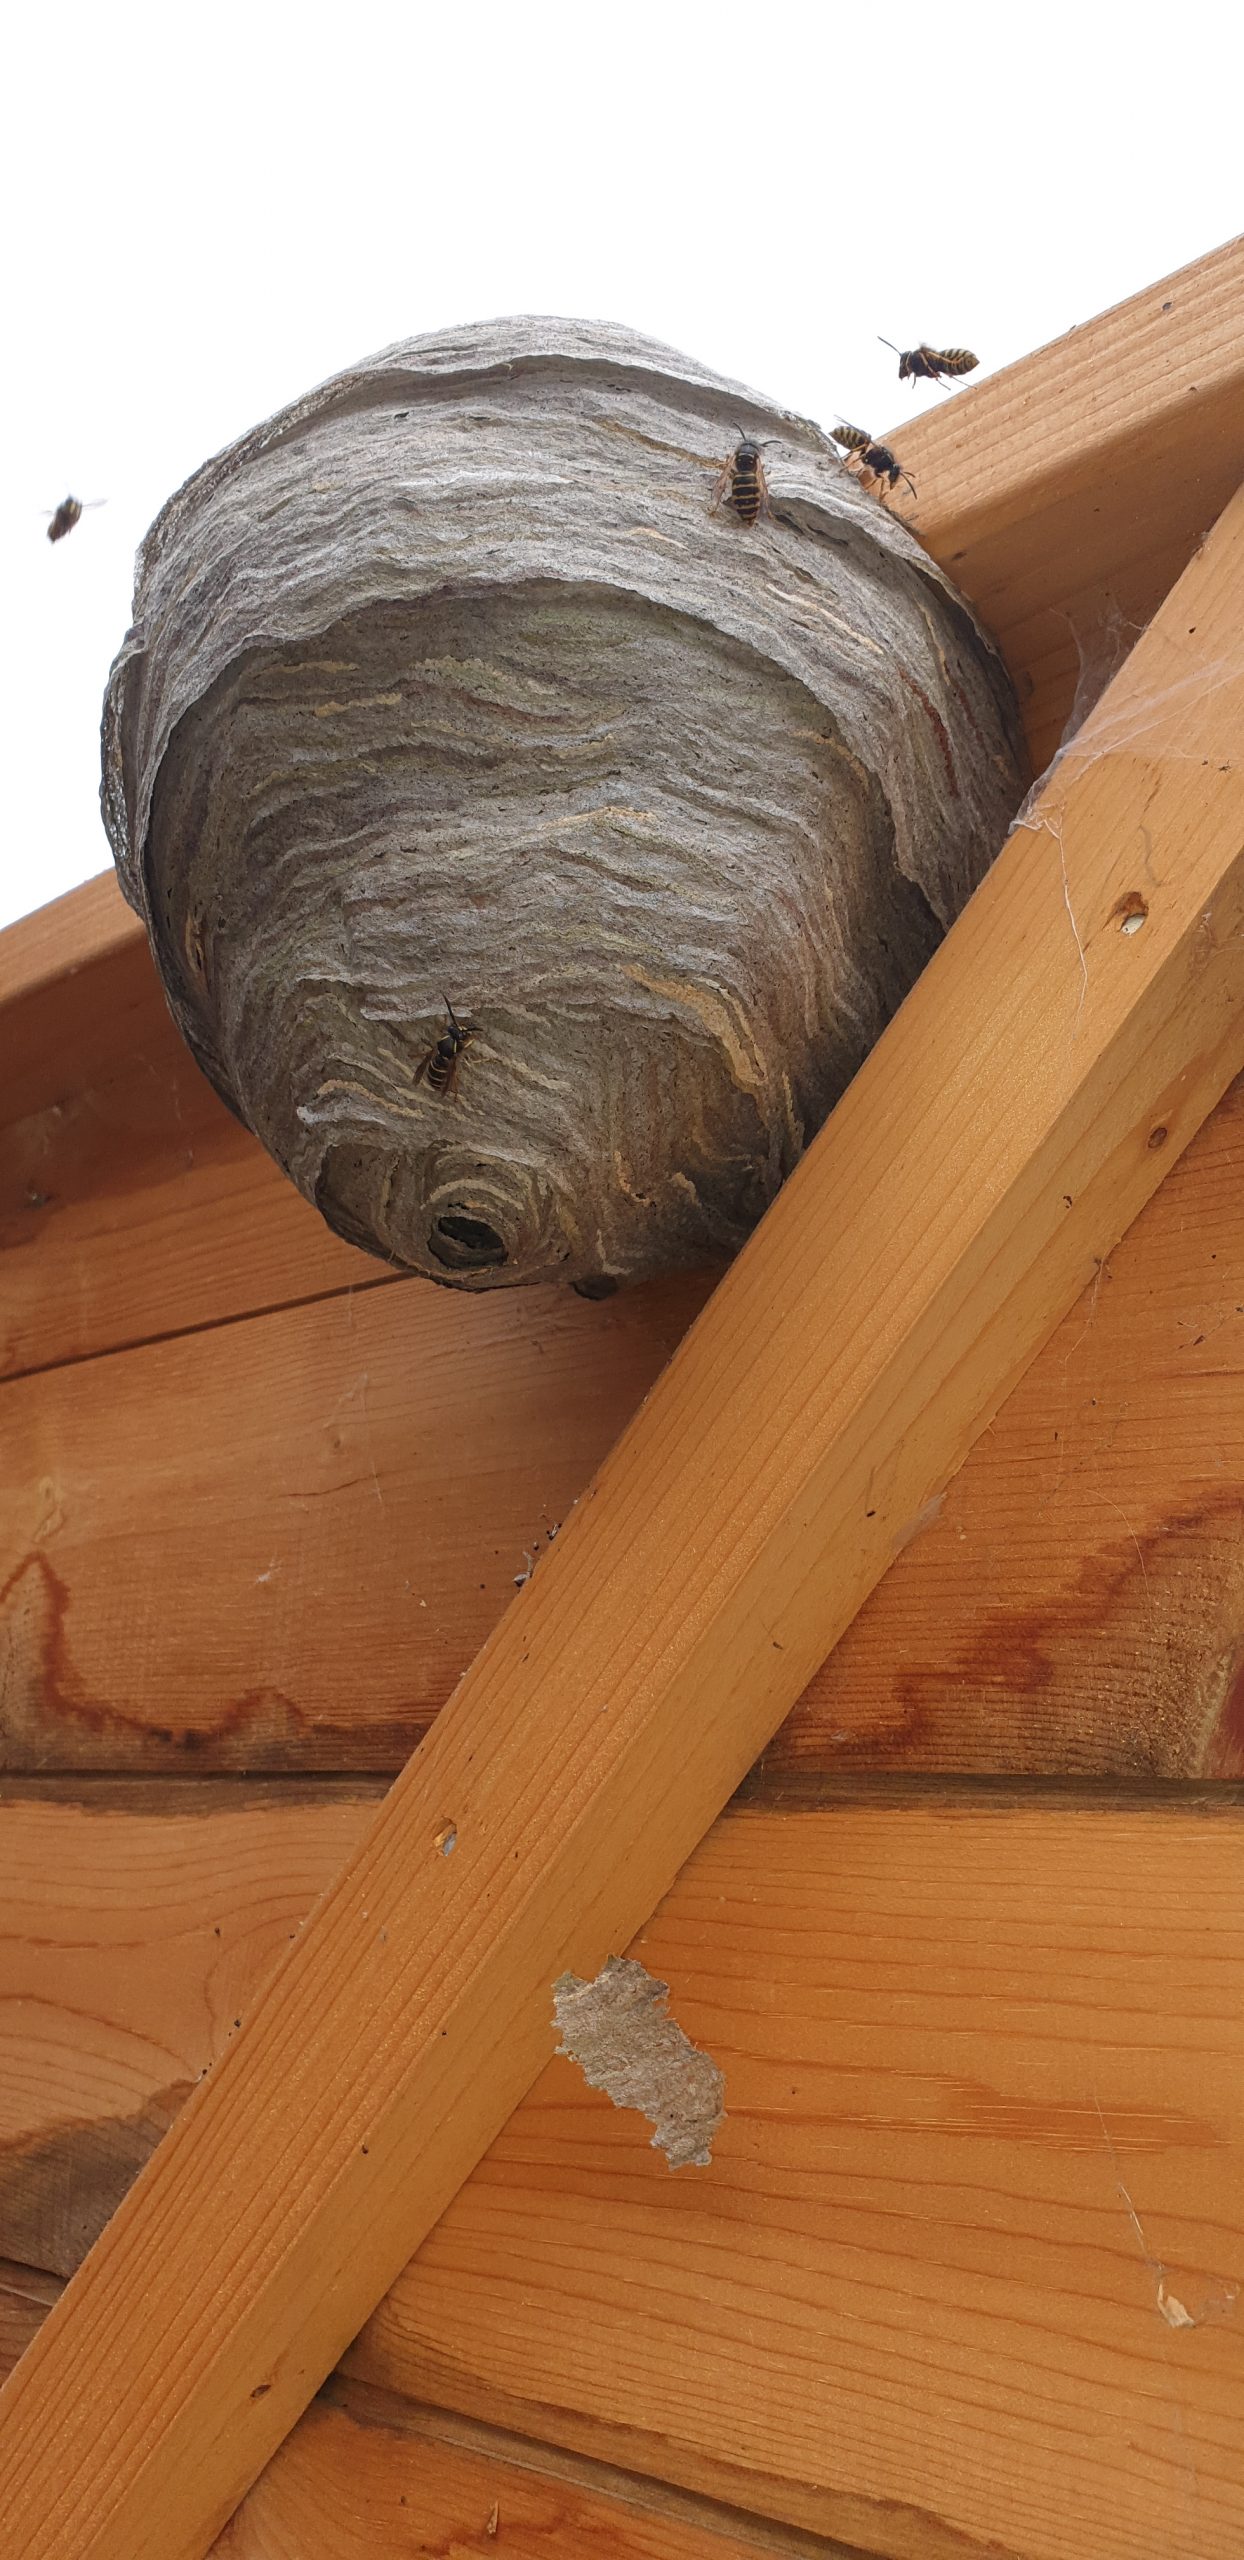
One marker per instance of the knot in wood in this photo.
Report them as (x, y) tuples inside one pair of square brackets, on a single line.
[(450, 700)]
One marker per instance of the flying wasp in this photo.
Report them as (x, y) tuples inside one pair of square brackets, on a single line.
[(742, 485), (66, 515), (440, 1063), (875, 459), (928, 364)]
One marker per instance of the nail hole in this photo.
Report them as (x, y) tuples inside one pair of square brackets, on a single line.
[(465, 1243), (1158, 1137), (447, 1839), (1131, 911)]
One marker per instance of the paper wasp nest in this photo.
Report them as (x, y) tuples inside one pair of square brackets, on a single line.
[(446, 686)]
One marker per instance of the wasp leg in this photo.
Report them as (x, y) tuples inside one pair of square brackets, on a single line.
[(724, 478)]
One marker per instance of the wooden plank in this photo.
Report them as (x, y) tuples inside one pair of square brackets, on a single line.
[(371, 2478), (26, 2297), (363, 2474), (89, 924), (1078, 1603), (133, 1203), (73, 977), (920, 2006), (967, 2271), (279, 1544), (135, 1926), (898, 1287), (1066, 494), (1085, 474)]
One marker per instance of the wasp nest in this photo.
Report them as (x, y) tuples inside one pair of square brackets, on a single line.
[(447, 688)]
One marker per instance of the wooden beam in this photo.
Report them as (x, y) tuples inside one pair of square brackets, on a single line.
[(1068, 1038), (75, 932), (965, 2042), (363, 2478), (957, 2026), (316, 1517), (132, 1204), (256, 1497), (71, 976), (26, 2297), (1066, 494), (136, 1925)]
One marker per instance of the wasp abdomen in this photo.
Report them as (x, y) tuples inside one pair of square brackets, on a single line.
[(745, 491), (742, 485), (439, 1064)]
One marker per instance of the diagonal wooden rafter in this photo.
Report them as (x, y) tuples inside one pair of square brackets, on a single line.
[(1077, 1025)]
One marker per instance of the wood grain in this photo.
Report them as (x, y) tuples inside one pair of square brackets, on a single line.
[(26, 2296), (1077, 1605), (132, 1203), (373, 2477), (72, 978), (908, 2292), (902, 1281), (133, 1933), (967, 2270), (89, 925), (364, 2473), (375, 1470), (1066, 494)]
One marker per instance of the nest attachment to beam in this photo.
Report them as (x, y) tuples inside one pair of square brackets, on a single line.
[(447, 688)]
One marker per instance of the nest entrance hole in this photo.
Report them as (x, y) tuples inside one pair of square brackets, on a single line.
[(464, 1242)]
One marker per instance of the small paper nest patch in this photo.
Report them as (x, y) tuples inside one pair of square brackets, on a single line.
[(446, 688)]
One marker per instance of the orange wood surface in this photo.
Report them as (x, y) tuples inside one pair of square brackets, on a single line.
[(958, 2032), (316, 1518), (134, 1205), (365, 2476), (1003, 1133), (967, 2271), (26, 2296), (375, 1470), (89, 925), (136, 1924), (1067, 493), (75, 980), (369, 2481)]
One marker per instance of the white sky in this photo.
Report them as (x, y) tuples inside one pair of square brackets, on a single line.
[(210, 209)]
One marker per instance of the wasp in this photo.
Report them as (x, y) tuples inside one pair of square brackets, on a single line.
[(874, 459), (440, 1063), (928, 364), (742, 484), (66, 515)]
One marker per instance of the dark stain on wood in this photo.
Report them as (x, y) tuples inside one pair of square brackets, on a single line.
[(59, 2189)]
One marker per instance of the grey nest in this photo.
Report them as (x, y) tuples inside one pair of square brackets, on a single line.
[(448, 688)]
